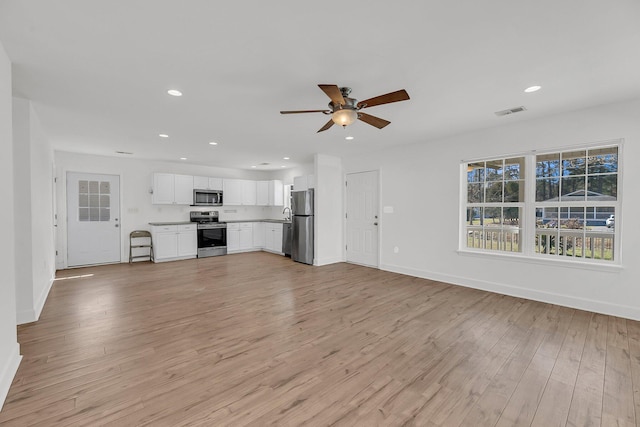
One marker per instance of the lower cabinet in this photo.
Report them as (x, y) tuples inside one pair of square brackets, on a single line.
[(273, 237), (258, 235), (233, 238), (240, 237), (172, 242), (254, 236)]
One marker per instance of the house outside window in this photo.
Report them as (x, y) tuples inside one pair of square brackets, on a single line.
[(558, 204)]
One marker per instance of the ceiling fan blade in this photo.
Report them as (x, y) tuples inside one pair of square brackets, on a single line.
[(304, 111), (326, 126), (373, 120), (399, 95), (334, 93)]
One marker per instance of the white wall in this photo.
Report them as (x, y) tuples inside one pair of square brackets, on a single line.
[(33, 210), (135, 183), (422, 183), (9, 347), (43, 259), (22, 210), (329, 211)]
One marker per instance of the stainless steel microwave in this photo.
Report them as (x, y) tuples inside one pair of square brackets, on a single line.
[(207, 197)]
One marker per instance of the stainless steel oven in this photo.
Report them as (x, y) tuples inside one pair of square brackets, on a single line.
[(212, 234)]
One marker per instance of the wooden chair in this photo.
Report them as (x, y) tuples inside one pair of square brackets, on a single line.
[(140, 234)]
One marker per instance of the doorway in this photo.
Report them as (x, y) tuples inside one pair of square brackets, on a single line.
[(362, 218), (93, 219)]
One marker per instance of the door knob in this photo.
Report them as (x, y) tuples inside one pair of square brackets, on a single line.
[(117, 226)]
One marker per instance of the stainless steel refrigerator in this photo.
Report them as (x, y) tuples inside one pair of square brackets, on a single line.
[(302, 242)]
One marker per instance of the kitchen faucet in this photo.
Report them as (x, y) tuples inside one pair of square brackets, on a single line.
[(288, 217)]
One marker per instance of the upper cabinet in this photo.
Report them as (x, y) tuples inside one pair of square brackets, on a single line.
[(305, 182), (262, 198), (240, 192), (276, 193), (270, 193), (207, 183), (249, 192), (184, 190), (171, 189)]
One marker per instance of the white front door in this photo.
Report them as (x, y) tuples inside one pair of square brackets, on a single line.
[(93, 219), (362, 218)]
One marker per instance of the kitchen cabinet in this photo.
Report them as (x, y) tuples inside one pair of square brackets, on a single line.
[(270, 193), (304, 182), (246, 236), (273, 237), (232, 192), (183, 189), (172, 189), (239, 192), (187, 241), (172, 242), (258, 235), (262, 198), (276, 193), (233, 238), (207, 183), (249, 192), (240, 237)]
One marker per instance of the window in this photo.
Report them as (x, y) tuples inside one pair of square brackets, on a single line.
[(94, 200), (570, 212), (494, 204)]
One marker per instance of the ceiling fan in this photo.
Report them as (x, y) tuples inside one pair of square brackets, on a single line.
[(345, 110)]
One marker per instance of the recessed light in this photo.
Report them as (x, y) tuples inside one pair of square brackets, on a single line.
[(213, 143), (174, 92), (285, 158), (348, 138), (183, 158), (253, 166), (163, 135), (283, 166), (532, 89)]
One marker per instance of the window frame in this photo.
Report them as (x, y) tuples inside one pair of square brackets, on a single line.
[(528, 210)]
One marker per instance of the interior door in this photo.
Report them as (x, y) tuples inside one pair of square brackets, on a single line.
[(93, 219), (362, 218)]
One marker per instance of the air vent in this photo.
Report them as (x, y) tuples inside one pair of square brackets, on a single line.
[(265, 164), (510, 111), (123, 152)]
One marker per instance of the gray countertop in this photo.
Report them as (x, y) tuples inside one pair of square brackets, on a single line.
[(235, 221), (278, 221)]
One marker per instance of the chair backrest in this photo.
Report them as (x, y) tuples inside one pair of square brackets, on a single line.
[(139, 233)]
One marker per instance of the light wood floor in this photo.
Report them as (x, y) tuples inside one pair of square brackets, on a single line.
[(258, 339)]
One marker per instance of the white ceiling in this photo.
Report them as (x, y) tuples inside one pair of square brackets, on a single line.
[(98, 71)]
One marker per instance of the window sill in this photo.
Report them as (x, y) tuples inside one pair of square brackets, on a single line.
[(596, 266)]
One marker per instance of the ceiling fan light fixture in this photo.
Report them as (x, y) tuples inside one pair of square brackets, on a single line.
[(344, 117)]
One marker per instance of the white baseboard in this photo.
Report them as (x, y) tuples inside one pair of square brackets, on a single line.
[(8, 371), (43, 298), (618, 310), (327, 261), (32, 315), (25, 316)]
